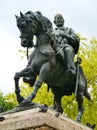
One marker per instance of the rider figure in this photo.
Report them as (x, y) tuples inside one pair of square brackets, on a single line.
[(66, 39)]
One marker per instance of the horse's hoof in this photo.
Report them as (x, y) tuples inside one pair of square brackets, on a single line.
[(78, 119), (43, 108), (25, 102), (2, 118), (90, 125), (20, 99), (57, 114), (79, 116)]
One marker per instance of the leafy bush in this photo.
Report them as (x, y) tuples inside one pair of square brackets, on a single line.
[(5, 104)]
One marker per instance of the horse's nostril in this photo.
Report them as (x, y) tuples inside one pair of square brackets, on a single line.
[(24, 41)]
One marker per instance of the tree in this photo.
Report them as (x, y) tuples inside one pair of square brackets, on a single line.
[(5, 104), (88, 53)]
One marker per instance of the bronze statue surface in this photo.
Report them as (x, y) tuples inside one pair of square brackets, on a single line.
[(45, 62)]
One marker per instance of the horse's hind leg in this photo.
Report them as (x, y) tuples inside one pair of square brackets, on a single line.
[(25, 72), (79, 98), (57, 100)]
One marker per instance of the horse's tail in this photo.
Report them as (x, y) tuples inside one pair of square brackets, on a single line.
[(87, 95)]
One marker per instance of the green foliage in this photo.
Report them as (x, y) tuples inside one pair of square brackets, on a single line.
[(88, 53), (5, 104), (70, 106), (11, 97)]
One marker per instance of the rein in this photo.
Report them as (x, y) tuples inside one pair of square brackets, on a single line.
[(35, 46), (56, 53), (27, 53)]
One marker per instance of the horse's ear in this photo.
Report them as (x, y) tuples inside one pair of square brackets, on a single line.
[(39, 17), (22, 15), (16, 16)]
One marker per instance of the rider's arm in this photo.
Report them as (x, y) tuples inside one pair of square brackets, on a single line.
[(72, 39), (71, 36)]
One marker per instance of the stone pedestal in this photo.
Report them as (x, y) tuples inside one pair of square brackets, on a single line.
[(34, 120)]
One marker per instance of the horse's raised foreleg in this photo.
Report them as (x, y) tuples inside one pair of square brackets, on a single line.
[(25, 72), (44, 72), (79, 98), (30, 80)]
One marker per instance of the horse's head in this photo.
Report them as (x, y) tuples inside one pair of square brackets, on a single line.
[(26, 24), (30, 24)]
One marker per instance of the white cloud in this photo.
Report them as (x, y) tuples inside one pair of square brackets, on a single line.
[(10, 61)]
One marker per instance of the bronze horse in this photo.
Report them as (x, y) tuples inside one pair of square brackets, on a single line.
[(44, 63)]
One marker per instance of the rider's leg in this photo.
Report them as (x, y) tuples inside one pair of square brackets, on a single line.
[(69, 61)]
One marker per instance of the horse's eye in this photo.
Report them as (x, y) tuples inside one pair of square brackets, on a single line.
[(23, 22)]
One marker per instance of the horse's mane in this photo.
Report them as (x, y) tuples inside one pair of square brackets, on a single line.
[(46, 23)]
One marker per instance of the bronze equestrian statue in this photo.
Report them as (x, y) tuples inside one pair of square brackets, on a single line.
[(45, 63)]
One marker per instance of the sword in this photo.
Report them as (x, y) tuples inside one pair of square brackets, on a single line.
[(77, 74)]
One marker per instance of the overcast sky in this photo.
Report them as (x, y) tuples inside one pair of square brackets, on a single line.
[(81, 15)]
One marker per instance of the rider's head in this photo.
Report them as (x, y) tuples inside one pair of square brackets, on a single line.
[(59, 20)]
